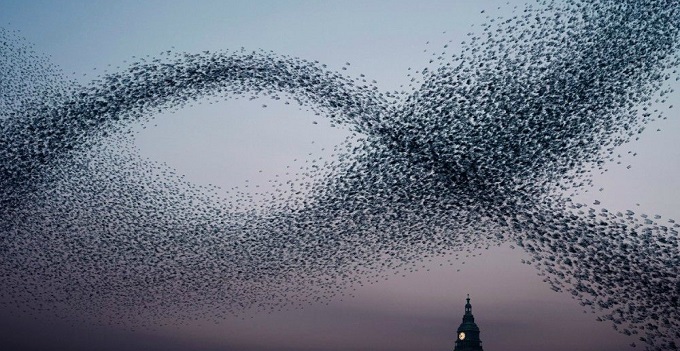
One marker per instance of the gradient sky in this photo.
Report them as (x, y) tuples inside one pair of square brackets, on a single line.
[(228, 143)]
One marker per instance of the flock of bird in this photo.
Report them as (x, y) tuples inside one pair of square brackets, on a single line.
[(487, 149)]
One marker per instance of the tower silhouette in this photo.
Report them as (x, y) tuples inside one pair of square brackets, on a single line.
[(468, 332)]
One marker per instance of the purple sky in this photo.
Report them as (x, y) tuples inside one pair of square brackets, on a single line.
[(513, 307)]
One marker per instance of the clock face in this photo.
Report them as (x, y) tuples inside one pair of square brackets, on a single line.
[(461, 336)]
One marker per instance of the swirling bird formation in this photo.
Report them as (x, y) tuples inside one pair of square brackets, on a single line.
[(483, 152)]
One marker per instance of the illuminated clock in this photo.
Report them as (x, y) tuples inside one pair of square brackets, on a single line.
[(461, 336)]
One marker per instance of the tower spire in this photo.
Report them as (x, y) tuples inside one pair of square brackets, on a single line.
[(468, 331), (468, 306)]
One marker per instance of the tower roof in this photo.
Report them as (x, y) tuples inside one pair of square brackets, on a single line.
[(468, 319)]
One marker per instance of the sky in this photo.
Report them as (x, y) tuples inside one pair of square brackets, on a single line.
[(231, 142)]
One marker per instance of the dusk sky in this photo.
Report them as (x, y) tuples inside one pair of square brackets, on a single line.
[(233, 142)]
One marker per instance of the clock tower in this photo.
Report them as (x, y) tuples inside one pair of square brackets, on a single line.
[(467, 338)]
